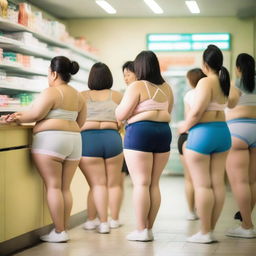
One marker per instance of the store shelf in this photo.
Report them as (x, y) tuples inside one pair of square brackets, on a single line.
[(6, 87), (13, 108), (19, 47), (15, 67), (7, 25)]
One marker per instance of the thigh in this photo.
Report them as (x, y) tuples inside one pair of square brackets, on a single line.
[(199, 167), (113, 169), (159, 162), (140, 166), (217, 168), (94, 170), (252, 165), (50, 169), (68, 171), (238, 161)]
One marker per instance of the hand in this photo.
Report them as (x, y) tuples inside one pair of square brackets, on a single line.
[(182, 127), (11, 118)]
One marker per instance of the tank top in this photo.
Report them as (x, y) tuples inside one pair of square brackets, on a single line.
[(101, 110), (59, 113), (151, 104)]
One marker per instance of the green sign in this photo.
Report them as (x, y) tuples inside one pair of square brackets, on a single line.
[(187, 42)]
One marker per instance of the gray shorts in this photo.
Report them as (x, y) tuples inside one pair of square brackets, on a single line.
[(244, 129), (62, 144)]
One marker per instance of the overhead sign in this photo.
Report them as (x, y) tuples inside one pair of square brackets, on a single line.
[(187, 42)]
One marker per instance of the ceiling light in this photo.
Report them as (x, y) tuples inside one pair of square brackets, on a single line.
[(154, 6), (192, 6), (106, 6)]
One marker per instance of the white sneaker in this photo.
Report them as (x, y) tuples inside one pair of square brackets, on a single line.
[(54, 237), (150, 234), (139, 235), (103, 228), (192, 216), (214, 239), (241, 232), (200, 238), (91, 224), (114, 223)]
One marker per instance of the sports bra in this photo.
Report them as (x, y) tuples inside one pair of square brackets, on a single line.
[(189, 99), (101, 110), (246, 98), (151, 104), (59, 113)]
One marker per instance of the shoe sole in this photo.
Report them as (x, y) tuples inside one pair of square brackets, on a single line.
[(240, 236)]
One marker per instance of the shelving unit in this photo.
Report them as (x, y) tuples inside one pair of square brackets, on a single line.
[(85, 60)]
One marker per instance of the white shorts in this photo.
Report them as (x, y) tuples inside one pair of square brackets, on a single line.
[(62, 144)]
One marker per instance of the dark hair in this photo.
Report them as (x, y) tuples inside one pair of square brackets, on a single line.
[(100, 77), (147, 67), (213, 57), (246, 65), (129, 65), (194, 75), (64, 67)]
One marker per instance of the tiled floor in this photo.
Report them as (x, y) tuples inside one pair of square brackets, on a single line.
[(170, 231)]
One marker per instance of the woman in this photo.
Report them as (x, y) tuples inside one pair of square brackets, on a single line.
[(146, 105), (241, 162), (102, 153), (59, 112), (128, 72), (193, 77), (208, 142)]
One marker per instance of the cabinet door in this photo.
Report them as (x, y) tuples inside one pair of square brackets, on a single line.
[(1, 197), (23, 208)]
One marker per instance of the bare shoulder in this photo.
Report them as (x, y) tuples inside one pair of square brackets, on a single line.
[(85, 94), (117, 96)]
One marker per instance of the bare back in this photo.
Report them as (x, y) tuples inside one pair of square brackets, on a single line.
[(62, 97)]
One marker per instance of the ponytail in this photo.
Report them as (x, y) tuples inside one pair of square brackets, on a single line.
[(224, 81)]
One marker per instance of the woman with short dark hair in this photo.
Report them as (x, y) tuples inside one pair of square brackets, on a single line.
[(146, 105), (102, 152)]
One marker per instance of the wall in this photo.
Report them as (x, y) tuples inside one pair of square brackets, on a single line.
[(119, 40)]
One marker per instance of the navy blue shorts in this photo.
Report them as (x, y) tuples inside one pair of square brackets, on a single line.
[(104, 143), (148, 136), (209, 138)]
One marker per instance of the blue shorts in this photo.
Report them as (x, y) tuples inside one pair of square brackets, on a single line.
[(244, 129), (148, 136), (104, 143), (209, 138)]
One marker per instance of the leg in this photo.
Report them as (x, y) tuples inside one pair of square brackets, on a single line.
[(218, 161), (252, 176), (238, 174), (159, 162), (69, 168), (91, 208), (189, 188), (94, 170), (50, 169), (199, 167), (114, 176), (140, 169)]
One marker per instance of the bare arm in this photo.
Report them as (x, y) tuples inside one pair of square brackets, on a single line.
[(203, 98), (233, 97), (128, 103), (83, 111), (38, 110), (170, 101)]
